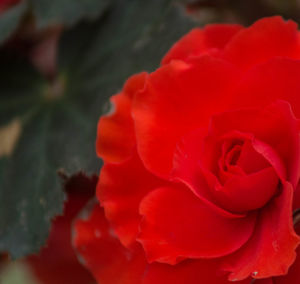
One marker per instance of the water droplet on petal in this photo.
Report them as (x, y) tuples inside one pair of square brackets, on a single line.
[(254, 273)]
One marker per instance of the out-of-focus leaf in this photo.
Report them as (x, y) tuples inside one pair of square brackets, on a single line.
[(97, 58), (54, 134), (58, 120), (17, 273), (50, 13), (29, 189), (30, 193), (10, 19), (67, 12)]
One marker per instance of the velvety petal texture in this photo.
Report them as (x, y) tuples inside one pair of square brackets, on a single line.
[(278, 78), (162, 116), (120, 190), (110, 262), (293, 274), (198, 41), (202, 164), (103, 254), (203, 231), (116, 138), (192, 272), (274, 239), (265, 39)]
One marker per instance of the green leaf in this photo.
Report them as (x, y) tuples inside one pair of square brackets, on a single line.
[(10, 19), (30, 193), (30, 198), (54, 12), (98, 57), (54, 135), (67, 12), (58, 120)]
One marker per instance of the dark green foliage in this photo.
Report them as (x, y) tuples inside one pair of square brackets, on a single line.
[(58, 119)]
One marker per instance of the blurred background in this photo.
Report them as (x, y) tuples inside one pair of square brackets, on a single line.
[(60, 61)]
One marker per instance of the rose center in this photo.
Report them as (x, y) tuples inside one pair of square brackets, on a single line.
[(246, 180), (227, 164)]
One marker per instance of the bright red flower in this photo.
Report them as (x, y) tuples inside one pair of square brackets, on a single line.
[(202, 157), (57, 262)]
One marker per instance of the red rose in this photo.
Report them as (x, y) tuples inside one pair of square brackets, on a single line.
[(57, 262), (201, 157)]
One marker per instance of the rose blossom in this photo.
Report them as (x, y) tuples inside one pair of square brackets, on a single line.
[(201, 158)]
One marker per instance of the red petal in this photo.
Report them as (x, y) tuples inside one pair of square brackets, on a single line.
[(187, 272), (265, 39), (244, 193), (116, 138), (120, 189), (271, 250), (189, 45), (273, 127), (177, 225), (279, 78), (177, 99), (110, 262), (250, 160), (104, 255), (293, 276), (193, 169), (218, 36), (199, 41)]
